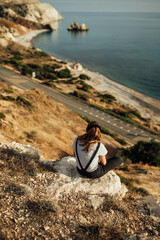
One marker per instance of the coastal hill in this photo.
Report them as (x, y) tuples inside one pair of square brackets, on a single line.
[(42, 197), (21, 17)]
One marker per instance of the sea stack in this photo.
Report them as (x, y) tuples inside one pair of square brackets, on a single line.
[(76, 27)]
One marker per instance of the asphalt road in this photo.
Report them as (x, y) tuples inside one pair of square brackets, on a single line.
[(128, 132)]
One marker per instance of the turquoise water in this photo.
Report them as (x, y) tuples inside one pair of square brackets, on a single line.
[(122, 46)]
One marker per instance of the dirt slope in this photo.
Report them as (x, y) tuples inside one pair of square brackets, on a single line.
[(31, 117)]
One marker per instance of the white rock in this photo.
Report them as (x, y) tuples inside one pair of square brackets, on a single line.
[(69, 180)]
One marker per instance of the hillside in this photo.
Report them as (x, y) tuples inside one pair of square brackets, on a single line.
[(21, 17), (46, 200), (38, 120)]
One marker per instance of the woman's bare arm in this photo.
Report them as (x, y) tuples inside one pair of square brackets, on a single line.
[(103, 160)]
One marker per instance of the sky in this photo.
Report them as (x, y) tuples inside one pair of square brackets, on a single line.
[(105, 5)]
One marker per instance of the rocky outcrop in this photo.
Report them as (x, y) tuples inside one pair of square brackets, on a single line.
[(70, 181), (67, 180), (76, 27), (30, 14)]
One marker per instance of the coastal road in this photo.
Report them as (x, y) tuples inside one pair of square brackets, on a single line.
[(128, 132)]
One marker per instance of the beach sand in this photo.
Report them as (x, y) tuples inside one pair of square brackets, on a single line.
[(26, 39), (147, 106)]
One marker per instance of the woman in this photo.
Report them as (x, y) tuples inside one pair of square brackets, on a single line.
[(91, 153)]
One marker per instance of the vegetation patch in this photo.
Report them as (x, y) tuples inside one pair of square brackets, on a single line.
[(64, 73), (8, 90), (79, 95), (145, 152), (85, 87), (31, 135), (129, 183), (84, 77), (107, 97), (23, 102), (2, 115), (7, 98)]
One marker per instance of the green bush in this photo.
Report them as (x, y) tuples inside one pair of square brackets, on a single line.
[(145, 152), (64, 73), (85, 87), (84, 77), (107, 96), (17, 55), (8, 90), (26, 70), (79, 95), (15, 62), (7, 98), (23, 102), (130, 186), (2, 116)]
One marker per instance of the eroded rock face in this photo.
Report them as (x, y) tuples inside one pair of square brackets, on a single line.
[(70, 181)]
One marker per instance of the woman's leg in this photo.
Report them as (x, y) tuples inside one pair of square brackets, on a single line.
[(112, 163)]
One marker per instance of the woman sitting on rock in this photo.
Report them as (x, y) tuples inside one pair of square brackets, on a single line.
[(90, 153)]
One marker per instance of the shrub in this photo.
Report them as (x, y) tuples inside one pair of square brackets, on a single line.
[(84, 77), (108, 97), (50, 76), (22, 101), (130, 186), (79, 95), (49, 84), (31, 135), (145, 152), (7, 98), (17, 55), (26, 70), (85, 87), (137, 114), (15, 62), (2, 116), (64, 73), (8, 90)]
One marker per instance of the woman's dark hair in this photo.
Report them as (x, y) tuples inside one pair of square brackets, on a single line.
[(92, 135)]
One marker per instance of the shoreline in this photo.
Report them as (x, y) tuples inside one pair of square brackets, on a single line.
[(148, 106)]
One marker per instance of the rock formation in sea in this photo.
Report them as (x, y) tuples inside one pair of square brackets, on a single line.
[(22, 16), (76, 27)]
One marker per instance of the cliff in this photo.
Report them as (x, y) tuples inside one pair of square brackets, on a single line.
[(20, 17)]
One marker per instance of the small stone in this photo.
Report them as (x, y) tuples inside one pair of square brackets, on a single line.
[(156, 232), (46, 228)]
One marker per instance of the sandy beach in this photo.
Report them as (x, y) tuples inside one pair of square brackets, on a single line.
[(147, 106), (26, 39)]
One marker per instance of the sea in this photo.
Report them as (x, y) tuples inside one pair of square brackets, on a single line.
[(125, 47)]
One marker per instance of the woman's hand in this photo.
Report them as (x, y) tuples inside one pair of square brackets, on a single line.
[(103, 160)]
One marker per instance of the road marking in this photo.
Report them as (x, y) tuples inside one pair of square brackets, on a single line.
[(90, 113), (96, 116), (128, 130), (80, 108), (114, 124), (85, 110), (102, 118), (108, 121), (121, 127)]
